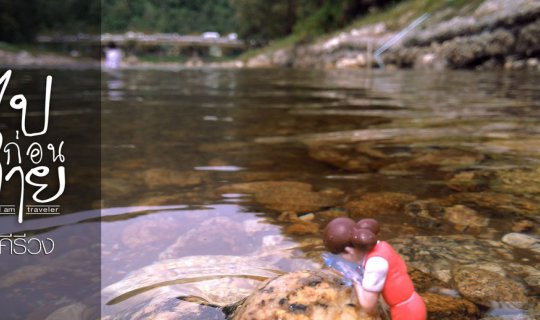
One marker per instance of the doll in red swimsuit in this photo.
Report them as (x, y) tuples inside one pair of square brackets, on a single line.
[(385, 271)]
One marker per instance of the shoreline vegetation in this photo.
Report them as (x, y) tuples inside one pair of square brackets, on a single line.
[(490, 34)]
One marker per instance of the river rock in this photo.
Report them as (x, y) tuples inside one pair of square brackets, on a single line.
[(161, 308), (164, 177), (527, 39), (522, 241), (464, 217), (485, 287), (219, 235), (116, 187), (496, 203), (438, 255), (523, 225), (517, 181), (330, 214), (75, 311), (529, 274), (300, 296), (342, 156), (469, 181), (441, 307), (426, 213), (295, 199), (378, 203), (145, 232), (302, 228), (160, 200), (438, 158), (253, 187)]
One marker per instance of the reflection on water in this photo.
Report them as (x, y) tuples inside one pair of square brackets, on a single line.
[(214, 180), (263, 159)]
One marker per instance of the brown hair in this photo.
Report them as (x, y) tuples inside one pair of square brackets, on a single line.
[(370, 224), (344, 232), (338, 234), (363, 239)]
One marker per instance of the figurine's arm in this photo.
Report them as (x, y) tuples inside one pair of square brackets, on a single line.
[(367, 292), (366, 299)]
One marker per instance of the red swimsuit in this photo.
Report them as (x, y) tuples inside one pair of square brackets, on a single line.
[(398, 291)]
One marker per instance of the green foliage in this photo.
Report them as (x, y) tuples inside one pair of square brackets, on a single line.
[(258, 21), (180, 16), (21, 20), (262, 20), (17, 20)]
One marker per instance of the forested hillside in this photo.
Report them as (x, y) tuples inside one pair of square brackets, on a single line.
[(179, 16), (254, 20)]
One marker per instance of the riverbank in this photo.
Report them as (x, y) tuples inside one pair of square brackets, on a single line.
[(11, 56), (477, 35), (489, 34)]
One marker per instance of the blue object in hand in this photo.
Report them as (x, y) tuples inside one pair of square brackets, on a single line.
[(352, 272)]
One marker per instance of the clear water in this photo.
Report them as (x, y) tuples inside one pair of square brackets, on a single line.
[(209, 129)]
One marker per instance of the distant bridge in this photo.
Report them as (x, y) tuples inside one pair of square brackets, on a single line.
[(144, 39), (165, 43)]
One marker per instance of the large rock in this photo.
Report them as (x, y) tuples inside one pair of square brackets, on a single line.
[(441, 307), (253, 187), (218, 235), (425, 213), (378, 203), (528, 42), (522, 241), (439, 255), (496, 203), (346, 156), (463, 218), (517, 181), (300, 296), (486, 287), (467, 181), (286, 195), (164, 177), (294, 199), (439, 158)]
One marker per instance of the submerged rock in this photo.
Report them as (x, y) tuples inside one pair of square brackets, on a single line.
[(218, 235), (286, 195), (301, 228), (522, 241), (463, 217), (147, 232), (253, 187), (378, 203), (426, 213), (217, 280), (74, 311), (443, 307), (358, 158), (469, 181), (517, 181), (523, 225), (496, 202), (438, 158), (301, 295), (294, 199), (439, 255), (164, 177), (486, 287)]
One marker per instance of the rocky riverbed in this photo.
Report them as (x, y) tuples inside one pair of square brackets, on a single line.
[(494, 34)]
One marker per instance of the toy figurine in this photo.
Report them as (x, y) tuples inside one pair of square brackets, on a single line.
[(384, 270)]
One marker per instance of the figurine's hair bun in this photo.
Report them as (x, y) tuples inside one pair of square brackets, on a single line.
[(363, 239), (338, 234), (370, 224)]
